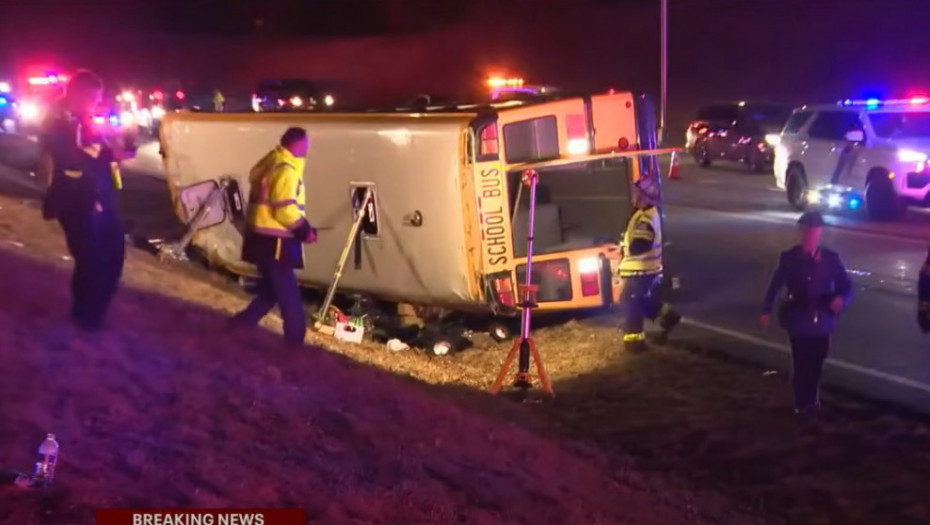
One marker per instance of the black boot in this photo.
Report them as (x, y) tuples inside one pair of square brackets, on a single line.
[(668, 321)]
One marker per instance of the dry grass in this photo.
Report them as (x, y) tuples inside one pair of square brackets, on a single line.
[(165, 409), (696, 433)]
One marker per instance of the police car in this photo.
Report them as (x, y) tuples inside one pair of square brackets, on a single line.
[(870, 154)]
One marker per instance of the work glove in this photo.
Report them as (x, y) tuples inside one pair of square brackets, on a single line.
[(311, 235)]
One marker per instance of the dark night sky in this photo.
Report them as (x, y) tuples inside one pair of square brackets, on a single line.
[(796, 50)]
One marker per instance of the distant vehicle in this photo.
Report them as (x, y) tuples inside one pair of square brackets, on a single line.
[(738, 133), (291, 95), (35, 98), (8, 116), (857, 152)]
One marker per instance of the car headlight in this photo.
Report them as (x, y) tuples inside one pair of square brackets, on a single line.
[(29, 111), (813, 196), (773, 139), (329, 100)]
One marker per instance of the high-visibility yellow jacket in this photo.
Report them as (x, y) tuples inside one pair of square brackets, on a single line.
[(642, 244), (276, 221)]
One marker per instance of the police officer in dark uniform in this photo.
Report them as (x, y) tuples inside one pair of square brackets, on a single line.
[(923, 297), (83, 172), (817, 290)]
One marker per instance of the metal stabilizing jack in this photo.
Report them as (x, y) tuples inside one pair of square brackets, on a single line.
[(343, 257), (525, 346), (176, 250)]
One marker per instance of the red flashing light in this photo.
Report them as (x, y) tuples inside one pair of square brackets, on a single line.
[(488, 140), (158, 95), (917, 101), (504, 290), (179, 94), (99, 120), (590, 284)]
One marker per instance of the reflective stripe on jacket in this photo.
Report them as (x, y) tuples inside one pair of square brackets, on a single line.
[(276, 201), (644, 229)]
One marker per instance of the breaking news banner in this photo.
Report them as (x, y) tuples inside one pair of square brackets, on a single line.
[(201, 517)]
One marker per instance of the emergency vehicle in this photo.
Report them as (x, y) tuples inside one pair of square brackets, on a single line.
[(446, 228), (870, 154), (34, 97)]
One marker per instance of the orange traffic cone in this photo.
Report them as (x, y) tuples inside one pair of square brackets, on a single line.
[(673, 171)]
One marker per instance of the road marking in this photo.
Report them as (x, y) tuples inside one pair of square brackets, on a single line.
[(758, 217), (839, 363)]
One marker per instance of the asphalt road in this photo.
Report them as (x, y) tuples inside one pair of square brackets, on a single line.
[(725, 228)]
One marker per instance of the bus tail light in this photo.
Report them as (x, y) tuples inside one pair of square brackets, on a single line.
[(590, 271), (576, 129), (504, 289)]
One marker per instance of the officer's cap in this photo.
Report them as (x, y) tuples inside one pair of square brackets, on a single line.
[(811, 219)]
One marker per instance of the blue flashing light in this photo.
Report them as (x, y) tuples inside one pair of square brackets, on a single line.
[(3, 101), (872, 102), (854, 203), (114, 120)]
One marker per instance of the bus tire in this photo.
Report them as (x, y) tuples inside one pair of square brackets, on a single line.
[(500, 331)]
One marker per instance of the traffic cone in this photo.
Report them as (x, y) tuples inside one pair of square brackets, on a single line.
[(673, 171)]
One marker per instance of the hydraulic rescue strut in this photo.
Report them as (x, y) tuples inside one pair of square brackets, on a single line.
[(526, 346), (343, 257)]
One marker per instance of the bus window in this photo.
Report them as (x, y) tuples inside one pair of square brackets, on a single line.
[(576, 208), (531, 140)]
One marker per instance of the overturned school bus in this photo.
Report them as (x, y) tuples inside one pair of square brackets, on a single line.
[(446, 225)]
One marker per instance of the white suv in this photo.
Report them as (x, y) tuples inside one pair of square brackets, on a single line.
[(869, 152)]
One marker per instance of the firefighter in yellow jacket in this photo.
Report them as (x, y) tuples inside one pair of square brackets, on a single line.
[(641, 269), (277, 230)]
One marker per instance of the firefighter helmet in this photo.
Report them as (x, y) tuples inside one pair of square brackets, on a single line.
[(648, 189)]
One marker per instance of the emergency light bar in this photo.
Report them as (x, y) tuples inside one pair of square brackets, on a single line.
[(874, 102), (500, 82), (46, 80)]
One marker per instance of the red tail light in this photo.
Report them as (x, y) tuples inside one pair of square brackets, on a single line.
[(179, 94), (623, 143), (504, 290), (488, 140), (590, 271), (590, 284)]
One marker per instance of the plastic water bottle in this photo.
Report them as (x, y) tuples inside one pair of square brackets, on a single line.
[(48, 458)]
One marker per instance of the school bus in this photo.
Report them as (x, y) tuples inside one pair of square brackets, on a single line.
[(446, 228)]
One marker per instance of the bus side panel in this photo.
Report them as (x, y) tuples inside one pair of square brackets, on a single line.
[(613, 120), (415, 165)]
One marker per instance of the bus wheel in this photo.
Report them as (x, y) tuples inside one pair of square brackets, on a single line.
[(441, 347), (500, 331)]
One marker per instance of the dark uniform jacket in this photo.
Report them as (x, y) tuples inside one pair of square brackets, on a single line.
[(811, 283), (923, 297), (81, 164)]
